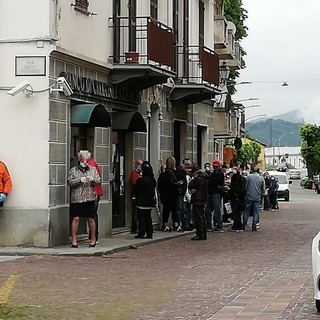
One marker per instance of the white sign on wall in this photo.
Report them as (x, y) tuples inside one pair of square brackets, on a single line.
[(30, 66)]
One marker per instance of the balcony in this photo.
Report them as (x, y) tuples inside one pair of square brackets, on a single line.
[(197, 77), (143, 52), (220, 32), (237, 62), (225, 124), (228, 52)]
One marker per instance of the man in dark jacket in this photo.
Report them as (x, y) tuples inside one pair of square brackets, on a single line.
[(215, 189), (237, 197), (199, 190)]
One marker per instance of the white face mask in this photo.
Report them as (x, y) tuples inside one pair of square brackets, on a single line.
[(83, 165)]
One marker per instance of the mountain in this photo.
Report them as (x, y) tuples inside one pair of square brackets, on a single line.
[(276, 132), (291, 116)]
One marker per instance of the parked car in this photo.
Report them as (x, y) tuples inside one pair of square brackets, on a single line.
[(316, 269), (284, 190), (294, 174)]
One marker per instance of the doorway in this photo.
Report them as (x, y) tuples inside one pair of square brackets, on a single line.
[(118, 179)]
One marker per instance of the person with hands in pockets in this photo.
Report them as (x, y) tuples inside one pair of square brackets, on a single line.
[(5, 183), (82, 180)]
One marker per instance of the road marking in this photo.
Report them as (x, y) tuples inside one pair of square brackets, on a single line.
[(7, 288)]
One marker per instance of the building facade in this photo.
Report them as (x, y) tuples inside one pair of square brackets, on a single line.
[(125, 79)]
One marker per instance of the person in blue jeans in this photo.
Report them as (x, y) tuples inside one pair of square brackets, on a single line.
[(255, 187), (215, 187)]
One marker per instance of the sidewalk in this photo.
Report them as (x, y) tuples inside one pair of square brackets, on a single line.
[(116, 243)]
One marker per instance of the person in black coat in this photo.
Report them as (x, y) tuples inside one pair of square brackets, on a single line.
[(199, 193), (144, 189)]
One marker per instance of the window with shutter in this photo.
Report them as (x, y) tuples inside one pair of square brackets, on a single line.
[(82, 4)]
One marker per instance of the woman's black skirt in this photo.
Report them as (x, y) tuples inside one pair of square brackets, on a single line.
[(83, 209)]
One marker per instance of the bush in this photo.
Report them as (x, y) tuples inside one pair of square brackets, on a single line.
[(306, 183)]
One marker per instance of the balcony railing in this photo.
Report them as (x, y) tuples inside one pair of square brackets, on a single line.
[(197, 65), (142, 40)]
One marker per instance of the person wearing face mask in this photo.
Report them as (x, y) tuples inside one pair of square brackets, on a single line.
[(134, 176), (215, 187), (207, 169), (273, 188), (82, 180)]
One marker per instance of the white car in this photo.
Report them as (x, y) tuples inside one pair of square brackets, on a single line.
[(316, 269), (284, 182)]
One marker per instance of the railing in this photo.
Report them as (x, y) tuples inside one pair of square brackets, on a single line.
[(142, 40), (197, 64)]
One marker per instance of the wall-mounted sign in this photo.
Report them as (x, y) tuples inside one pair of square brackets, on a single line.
[(30, 66)]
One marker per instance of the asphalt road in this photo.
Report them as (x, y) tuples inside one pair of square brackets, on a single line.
[(249, 275)]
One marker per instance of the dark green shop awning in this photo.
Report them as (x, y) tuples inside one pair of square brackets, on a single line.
[(90, 114), (128, 121)]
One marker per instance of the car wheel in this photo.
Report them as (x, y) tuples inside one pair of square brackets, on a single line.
[(318, 305)]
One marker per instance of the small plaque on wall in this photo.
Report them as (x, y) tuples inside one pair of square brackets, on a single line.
[(30, 66)]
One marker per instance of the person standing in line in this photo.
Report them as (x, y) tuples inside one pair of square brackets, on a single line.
[(144, 189), (5, 183), (134, 176), (82, 180), (99, 192), (169, 194), (273, 188), (215, 186), (255, 189), (199, 194), (237, 197), (181, 175)]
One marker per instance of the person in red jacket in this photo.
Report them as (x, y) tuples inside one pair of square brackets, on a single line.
[(99, 191), (134, 176), (5, 183)]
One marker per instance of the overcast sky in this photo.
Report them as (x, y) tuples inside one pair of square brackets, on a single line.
[(283, 44)]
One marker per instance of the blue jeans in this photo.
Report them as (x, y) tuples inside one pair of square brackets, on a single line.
[(213, 203), (182, 212), (255, 207)]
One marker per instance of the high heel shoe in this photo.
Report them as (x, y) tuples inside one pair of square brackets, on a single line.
[(92, 245), (74, 245)]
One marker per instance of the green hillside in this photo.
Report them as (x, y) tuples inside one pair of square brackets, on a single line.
[(264, 131)]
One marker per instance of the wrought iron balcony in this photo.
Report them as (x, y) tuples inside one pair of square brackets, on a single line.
[(197, 69), (143, 52)]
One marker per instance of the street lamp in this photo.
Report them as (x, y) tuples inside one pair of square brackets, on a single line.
[(248, 99), (224, 73), (256, 116), (282, 137)]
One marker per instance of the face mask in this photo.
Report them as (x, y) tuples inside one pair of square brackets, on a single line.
[(138, 169), (207, 169), (234, 171), (83, 165)]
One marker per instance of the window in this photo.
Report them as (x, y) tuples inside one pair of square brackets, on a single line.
[(82, 5), (201, 23), (154, 9)]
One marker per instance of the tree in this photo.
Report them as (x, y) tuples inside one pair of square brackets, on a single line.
[(310, 147), (235, 13), (248, 154)]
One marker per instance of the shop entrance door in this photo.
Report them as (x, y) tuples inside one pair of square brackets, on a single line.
[(118, 180)]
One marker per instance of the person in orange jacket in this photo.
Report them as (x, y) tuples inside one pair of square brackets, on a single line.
[(5, 183)]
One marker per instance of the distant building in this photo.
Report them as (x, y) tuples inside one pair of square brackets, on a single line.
[(277, 156)]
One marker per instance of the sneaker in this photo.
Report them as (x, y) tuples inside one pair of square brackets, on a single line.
[(239, 230), (167, 229), (258, 226), (273, 210), (217, 230), (179, 229)]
